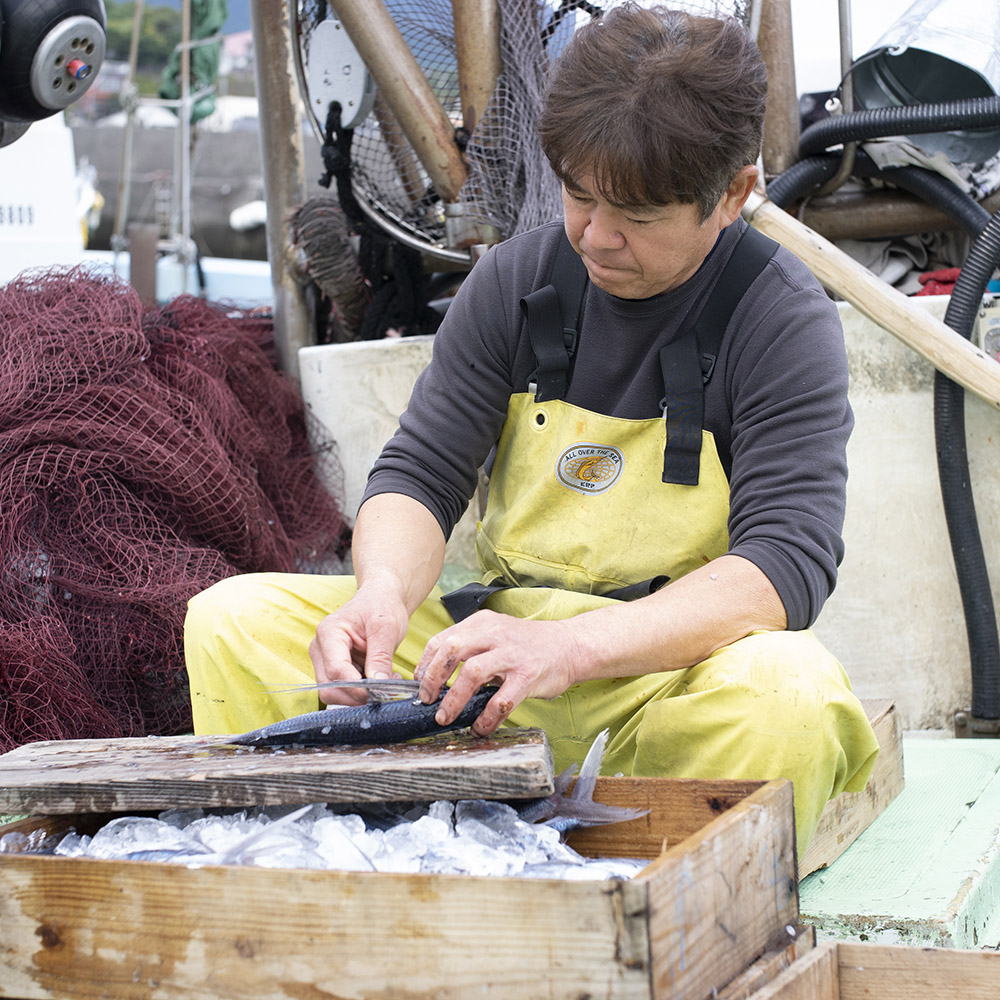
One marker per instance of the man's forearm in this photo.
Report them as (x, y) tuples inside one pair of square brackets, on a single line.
[(398, 544), (681, 624)]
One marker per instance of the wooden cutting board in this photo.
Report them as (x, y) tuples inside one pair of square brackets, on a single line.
[(124, 775)]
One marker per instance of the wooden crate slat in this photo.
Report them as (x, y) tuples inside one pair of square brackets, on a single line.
[(890, 972), (812, 978), (730, 893)]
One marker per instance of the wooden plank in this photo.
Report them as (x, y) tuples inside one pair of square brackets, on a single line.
[(108, 929), (770, 965), (849, 814), (157, 773), (678, 808), (891, 972), (724, 896), (948, 351), (813, 978)]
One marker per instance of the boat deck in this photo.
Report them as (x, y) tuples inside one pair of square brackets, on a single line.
[(927, 870)]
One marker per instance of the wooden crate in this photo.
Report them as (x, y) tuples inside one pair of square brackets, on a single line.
[(721, 892), (848, 971)]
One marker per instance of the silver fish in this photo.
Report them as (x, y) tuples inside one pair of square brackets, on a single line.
[(377, 689), (234, 855)]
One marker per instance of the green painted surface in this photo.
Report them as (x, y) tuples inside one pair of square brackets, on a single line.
[(927, 871)]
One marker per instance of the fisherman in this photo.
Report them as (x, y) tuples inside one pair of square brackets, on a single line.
[(667, 469)]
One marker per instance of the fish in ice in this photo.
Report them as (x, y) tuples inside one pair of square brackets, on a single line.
[(476, 837), (200, 854)]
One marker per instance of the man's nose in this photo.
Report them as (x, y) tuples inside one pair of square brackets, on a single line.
[(603, 228)]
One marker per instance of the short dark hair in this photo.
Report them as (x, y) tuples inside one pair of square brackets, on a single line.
[(661, 105)]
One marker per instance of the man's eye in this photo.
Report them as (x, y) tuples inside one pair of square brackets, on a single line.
[(640, 222)]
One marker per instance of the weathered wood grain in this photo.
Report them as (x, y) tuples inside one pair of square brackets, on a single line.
[(890, 972), (850, 971), (678, 808), (770, 965), (724, 896), (812, 978), (158, 773)]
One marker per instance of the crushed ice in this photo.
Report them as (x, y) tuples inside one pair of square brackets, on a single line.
[(469, 837)]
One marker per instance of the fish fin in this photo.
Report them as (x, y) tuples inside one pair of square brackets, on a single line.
[(568, 812), (239, 849), (378, 689), (574, 814), (563, 778), (542, 809), (583, 790)]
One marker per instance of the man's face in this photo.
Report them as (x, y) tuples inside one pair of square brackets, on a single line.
[(636, 251)]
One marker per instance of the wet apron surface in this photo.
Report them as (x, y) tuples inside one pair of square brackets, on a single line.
[(577, 502)]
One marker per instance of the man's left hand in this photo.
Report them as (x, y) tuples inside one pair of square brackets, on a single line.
[(530, 659)]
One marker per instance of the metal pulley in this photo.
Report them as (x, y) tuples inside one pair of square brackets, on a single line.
[(50, 52)]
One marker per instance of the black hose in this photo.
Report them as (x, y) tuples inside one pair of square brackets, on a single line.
[(912, 119), (956, 488), (932, 187), (801, 178), (949, 397)]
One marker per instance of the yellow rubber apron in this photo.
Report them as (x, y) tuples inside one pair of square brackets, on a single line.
[(578, 510), (577, 501)]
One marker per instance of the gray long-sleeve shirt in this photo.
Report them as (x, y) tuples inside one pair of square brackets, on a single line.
[(776, 403)]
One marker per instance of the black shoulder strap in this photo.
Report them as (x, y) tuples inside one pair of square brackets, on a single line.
[(688, 361), (749, 258), (552, 314)]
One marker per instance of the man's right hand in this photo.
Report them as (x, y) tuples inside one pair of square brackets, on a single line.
[(358, 640), (398, 552)]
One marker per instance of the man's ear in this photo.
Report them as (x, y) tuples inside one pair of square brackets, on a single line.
[(732, 202)]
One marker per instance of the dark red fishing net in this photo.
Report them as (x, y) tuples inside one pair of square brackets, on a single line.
[(144, 455)]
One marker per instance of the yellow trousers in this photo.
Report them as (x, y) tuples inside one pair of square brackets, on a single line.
[(772, 705)]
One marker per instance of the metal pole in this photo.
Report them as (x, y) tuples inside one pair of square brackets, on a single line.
[(185, 122), (846, 101), (284, 172), (125, 177), (184, 147), (402, 83), (781, 121), (477, 45)]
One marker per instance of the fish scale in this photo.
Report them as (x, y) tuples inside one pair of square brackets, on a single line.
[(374, 722)]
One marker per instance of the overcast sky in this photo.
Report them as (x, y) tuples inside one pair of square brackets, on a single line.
[(816, 36)]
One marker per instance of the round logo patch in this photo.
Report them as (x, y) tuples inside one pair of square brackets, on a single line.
[(589, 468)]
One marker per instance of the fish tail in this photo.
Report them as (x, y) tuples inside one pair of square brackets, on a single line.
[(568, 812), (571, 815), (235, 852), (583, 790)]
